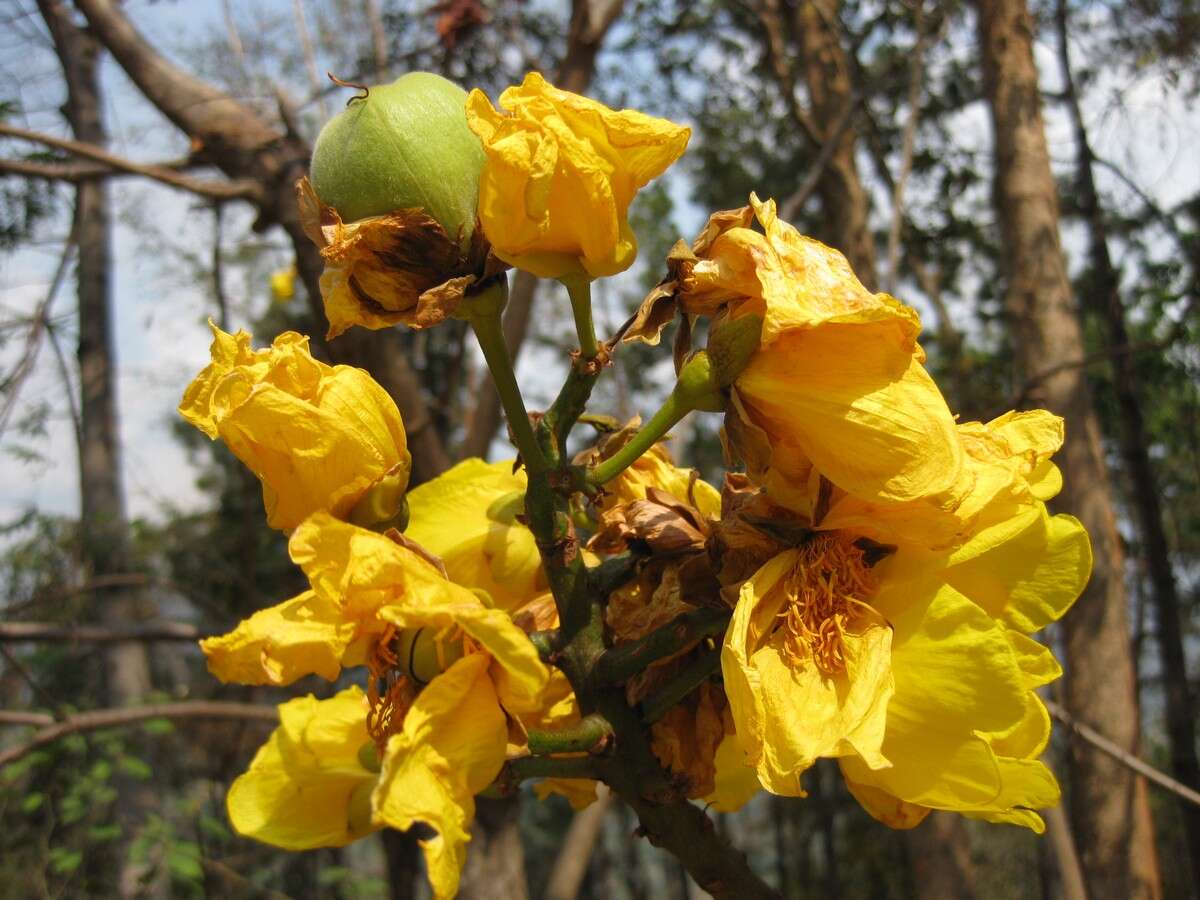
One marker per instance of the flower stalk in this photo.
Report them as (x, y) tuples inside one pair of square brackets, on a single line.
[(485, 322)]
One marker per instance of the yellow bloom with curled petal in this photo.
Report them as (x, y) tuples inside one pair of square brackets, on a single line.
[(912, 666), (319, 437), (447, 673), (561, 172), (367, 589), (319, 781), (467, 516), (836, 381)]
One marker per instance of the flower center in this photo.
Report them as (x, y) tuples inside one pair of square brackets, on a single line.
[(826, 588)]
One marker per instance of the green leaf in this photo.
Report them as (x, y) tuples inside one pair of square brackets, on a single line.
[(136, 768), (32, 803)]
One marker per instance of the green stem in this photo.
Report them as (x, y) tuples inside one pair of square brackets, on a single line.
[(545, 642), (684, 631), (490, 335), (667, 417), (588, 735), (698, 671), (579, 288)]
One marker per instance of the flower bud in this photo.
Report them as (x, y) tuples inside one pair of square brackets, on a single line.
[(423, 656), (405, 145)]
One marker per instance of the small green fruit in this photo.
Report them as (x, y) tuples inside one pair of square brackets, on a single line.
[(405, 145)]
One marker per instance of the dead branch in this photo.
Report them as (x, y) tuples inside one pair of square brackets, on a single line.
[(98, 719), (98, 634), (1110, 748), (216, 190)]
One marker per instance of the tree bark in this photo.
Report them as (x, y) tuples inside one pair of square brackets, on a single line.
[(1104, 296), (104, 529), (1108, 803), (844, 201), (104, 543), (232, 137), (495, 868), (939, 851)]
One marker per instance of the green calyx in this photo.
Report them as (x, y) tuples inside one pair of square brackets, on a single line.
[(405, 145), (698, 386), (384, 505), (731, 345)]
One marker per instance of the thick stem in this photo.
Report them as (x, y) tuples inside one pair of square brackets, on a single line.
[(697, 672), (495, 352), (550, 767), (667, 417), (620, 663)]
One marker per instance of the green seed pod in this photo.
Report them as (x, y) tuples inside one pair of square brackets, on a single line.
[(405, 145)]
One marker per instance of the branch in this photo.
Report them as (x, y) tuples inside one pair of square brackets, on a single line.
[(1111, 748), (697, 672), (98, 719), (916, 80), (793, 204), (590, 734), (621, 662), (215, 190), (98, 634)]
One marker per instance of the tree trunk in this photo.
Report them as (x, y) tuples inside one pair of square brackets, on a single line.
[(232, 137), (104, 530), (1109, 809), (1104, 296), (103, 527), (827, 77), (495, 868), (939, 851)]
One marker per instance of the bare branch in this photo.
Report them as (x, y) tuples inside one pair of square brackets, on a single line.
[(1111, 748), (916, 82), (216, 190), (98, 719), (791, 207), (98, 634)]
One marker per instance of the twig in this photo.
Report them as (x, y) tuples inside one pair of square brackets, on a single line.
[(625, 660), (39, 325), (217, 190), (98, 719), (697, 672), (98, 634), (1111, 748), (791, 207), (916, 81)]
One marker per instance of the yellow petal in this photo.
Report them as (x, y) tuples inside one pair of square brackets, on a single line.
[(580, 792), (467, 516), (305, 635), (451, 748), (561, 172), (787, 714), (891, 811), (860, 406), (1026, 570), (736, 782), (317, 436), (306, 787)]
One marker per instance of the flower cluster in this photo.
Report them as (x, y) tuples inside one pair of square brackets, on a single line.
[(862, 587)]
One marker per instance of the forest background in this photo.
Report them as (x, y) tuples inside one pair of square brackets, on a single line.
[(1026, 176)]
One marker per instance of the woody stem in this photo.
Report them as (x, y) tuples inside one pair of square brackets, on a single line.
[(622, 662)]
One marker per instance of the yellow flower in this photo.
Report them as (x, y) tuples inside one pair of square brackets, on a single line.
[(317, 436), (367, 591), (446, 674), (319, 780), (467, 516), (561, 172), (912, 667), (837, 381)]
